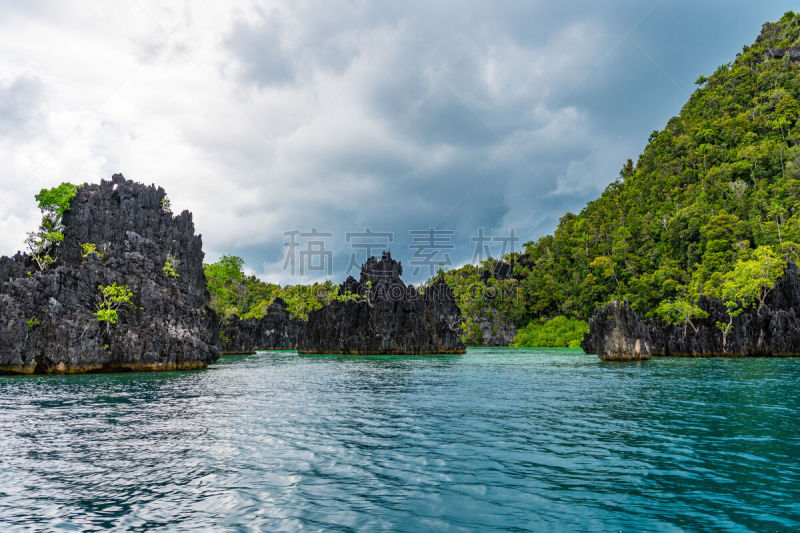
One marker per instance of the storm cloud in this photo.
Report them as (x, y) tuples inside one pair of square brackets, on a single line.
[(268, 120)]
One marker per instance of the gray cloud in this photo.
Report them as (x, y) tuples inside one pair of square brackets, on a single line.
[(260, 49), (21, 103), (344, 115), (485, 116)]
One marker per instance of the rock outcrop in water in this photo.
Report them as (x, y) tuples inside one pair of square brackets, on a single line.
[(389, 317), (495, 331), (276, 330), (616, 333), (46, 318), (771, 330)]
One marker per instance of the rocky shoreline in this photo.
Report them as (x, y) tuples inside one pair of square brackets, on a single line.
[(122, 244), (769, 330), (121, 235), (276, 330)]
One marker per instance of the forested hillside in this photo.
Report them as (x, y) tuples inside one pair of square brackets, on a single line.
[(721, 179)]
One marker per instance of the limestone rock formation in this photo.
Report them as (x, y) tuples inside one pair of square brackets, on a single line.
[(276, 330), (501, 270), (496, 332), (616, 333), (771, 330), (778, 53), (389, 317), (46, 318)]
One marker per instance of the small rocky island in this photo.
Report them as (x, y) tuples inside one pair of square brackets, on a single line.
[(122, 288), (379, 314), (616, 333), (771, 328)]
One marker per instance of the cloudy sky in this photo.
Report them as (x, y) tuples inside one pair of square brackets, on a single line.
[(267, 118)]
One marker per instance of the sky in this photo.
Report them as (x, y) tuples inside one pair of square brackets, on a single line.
[(449, 129)]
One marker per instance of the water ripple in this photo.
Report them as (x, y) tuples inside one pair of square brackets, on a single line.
[(495, 440)]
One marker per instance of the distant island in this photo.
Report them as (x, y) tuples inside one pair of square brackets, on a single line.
[(379, 314)]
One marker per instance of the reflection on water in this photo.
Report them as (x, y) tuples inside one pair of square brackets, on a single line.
[(496, 439)]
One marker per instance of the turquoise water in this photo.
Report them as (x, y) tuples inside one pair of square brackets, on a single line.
[(497, 439)]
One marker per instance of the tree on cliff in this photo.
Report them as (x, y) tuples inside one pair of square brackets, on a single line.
[(751, 281), (748, 284), (112, 298), (680, 312), (52, 203)]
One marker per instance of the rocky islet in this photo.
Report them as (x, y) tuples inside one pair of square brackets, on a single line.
[(47, 318)]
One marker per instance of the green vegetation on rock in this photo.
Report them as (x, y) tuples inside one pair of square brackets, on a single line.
[(52, 203), (88, 248), (680, 312), (559, 331), (112, 297), (170, 265)]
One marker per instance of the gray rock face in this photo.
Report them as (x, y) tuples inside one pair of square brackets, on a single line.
[(616, 333), (46, 318), (392, 318), (496, 332), (777, 53), (276, 330), (501, 270), (771, 331)]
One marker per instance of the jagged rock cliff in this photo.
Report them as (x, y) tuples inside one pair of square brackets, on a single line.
[(275, 330), (389, 318), (771, 330), (46, 318), (616, 333)]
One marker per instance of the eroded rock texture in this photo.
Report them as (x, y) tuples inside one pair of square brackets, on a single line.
[(390, 318), (496, 332), (771, 330), (793, 52), (46, 318), (616, 333), (276, 330)]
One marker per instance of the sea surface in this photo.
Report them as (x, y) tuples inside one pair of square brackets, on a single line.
[(494, 440)]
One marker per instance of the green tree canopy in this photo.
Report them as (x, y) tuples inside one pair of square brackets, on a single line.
[(52, 203), (233, 294)]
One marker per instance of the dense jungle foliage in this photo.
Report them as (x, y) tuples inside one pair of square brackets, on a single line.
[(719, 181), (235, 295), (558, 331)]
